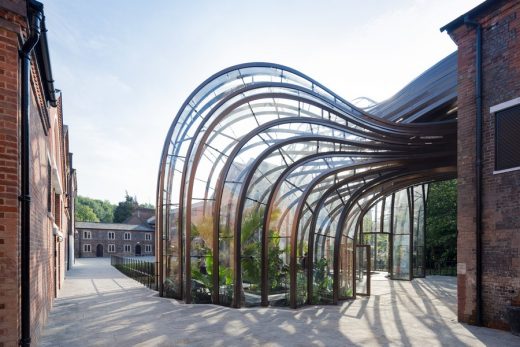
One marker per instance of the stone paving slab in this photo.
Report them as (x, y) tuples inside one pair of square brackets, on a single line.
[(99, 306)]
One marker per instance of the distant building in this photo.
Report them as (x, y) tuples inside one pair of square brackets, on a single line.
[(124, 239)]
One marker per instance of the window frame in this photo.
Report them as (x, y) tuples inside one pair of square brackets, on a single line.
[(125, 246), (148, 248), (111, 248), (111, 233), (87, 232), (127, 233), (148, 237), (85, 248)]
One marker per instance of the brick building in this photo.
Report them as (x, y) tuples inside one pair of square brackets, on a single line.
[(37, 182), (135, 237), (488, 39)]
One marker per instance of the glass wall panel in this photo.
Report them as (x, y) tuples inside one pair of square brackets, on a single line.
[(201, 253), (172, 256), (418, 233), (401, 237), (363, 270), (346, 267)]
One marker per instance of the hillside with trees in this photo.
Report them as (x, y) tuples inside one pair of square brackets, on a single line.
[(95, 210)]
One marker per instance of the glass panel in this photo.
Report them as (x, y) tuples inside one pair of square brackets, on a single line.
[(251, 242), (418, 233), (401, 237), (346, 258), (362, 270), (172, 256), (323, 269), (201, 254)]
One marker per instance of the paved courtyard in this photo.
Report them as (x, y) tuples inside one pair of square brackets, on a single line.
[(98, 306)]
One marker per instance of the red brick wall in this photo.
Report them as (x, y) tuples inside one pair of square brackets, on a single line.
[(9, 178), (42, 239), (43, 242), (501, 192)]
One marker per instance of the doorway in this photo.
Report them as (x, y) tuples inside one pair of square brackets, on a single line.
[(99, 250), (137, 249)]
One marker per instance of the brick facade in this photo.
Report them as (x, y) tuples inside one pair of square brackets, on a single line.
[(50, 172), (500, 21)]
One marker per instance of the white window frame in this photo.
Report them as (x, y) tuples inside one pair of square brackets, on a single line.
[(87, 235), (148, 248), (127, 246), (111, 233), (127, 236), (111, 248), (148, 237), (87, 248)]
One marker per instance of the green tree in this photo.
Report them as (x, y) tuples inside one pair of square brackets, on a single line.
[(125, 209), (441, 222), (103, 210), (85, 213)]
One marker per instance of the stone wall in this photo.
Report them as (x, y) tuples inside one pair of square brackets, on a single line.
[(100, 237)]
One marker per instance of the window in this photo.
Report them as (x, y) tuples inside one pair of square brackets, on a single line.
[(148, 237), (148, 248), (127, 236), (111, 248), (507, 141), (87, 235), (86, 248), (111, 235), (127, 248)]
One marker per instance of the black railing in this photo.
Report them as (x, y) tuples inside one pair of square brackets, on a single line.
[(139, 270), (442, 268)]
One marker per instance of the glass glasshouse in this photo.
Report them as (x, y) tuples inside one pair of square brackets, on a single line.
[(273, 190)]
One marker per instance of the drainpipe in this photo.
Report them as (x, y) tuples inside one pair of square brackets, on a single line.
[(35, 14), (478, 163)]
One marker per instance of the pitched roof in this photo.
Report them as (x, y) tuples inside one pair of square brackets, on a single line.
[(112, 226)]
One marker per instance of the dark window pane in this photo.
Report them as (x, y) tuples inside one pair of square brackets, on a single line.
[(507, 139)]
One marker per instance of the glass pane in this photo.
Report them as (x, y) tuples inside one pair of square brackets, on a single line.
[(362, 270), (401, 238)]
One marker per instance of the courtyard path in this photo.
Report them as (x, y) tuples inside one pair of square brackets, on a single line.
[(98, 306)]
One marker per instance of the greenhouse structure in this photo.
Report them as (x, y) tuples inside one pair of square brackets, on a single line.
[(273, 190)]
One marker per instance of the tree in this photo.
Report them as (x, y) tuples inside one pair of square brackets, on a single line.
[(85, 213), (441, 222), (147, 205), (125, 209), (103, 210)]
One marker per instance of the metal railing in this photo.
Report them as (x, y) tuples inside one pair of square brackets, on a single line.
[(442, 268), (139, 270)]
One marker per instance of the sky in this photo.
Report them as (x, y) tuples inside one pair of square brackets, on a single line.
[(126, 66)]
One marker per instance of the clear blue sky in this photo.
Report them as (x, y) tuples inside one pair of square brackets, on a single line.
[(126, 66)]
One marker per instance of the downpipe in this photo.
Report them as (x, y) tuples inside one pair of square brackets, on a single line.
[(36, 16)]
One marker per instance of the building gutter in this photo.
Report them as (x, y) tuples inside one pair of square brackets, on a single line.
[(35, 17), (478, 163)]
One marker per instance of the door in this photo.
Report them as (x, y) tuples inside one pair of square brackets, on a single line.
[(99, 250), (363, 268), (137, 249)]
